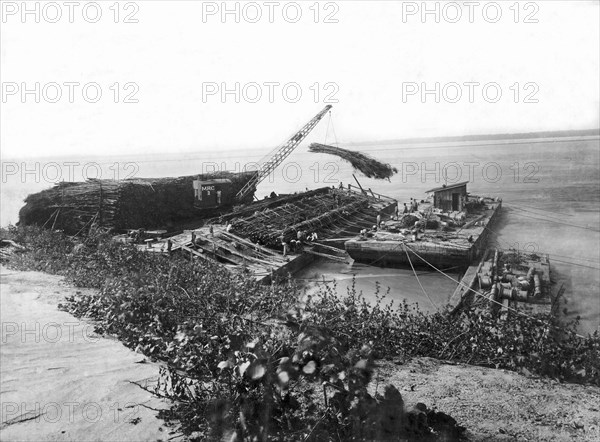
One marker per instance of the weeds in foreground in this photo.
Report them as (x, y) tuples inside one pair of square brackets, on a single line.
[(251, 362)]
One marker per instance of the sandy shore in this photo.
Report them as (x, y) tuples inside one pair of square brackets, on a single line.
[(60, 381)]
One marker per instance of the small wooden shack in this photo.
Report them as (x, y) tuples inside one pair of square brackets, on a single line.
[(450, 198)]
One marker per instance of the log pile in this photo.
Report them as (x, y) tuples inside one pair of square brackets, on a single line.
[(118, 205), (370, 167), (311, 213)]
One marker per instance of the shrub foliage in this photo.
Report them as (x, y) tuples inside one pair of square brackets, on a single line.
[(250, 362)]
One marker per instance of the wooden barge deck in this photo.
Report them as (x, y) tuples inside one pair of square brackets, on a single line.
[(250, 239), (457, 247)]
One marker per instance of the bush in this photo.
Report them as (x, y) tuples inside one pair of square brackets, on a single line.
[(253, 361)]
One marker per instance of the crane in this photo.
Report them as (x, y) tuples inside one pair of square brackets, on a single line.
[(271, 161)]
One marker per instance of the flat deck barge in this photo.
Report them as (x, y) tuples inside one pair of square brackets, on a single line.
[(443, 239)]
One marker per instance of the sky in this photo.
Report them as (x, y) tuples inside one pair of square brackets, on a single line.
[(163, 66)]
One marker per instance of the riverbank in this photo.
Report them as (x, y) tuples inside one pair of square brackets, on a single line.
[(88, 380), (500, 405), (241, 358), (62, 381)]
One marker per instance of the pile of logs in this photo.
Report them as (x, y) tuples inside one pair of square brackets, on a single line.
[(311, 214)]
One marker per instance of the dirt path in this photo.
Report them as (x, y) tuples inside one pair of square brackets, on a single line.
[(60, 381), (499, 405)]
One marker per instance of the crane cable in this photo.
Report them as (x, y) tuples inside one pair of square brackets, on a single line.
[(330, 123), (483, 296)]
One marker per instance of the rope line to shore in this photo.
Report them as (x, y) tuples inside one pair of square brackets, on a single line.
[(514, 206), (557, 222), (531, 209), (418, 280), (546, 253)]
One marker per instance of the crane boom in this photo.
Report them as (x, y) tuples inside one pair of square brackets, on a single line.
[(281, 154)]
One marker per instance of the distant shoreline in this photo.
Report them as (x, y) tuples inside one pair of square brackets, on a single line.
[(484, 137)]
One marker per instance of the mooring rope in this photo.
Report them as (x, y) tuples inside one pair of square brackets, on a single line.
[(539, 252), (418, 280), (558, 222)]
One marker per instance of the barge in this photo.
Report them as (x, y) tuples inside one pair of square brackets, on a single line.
[(274, 238), (449, 229), (508, 280)]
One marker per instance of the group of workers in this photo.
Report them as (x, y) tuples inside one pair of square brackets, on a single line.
[(296, 244), (413, 207)]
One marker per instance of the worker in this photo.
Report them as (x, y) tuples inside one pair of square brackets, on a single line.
[(193, 238), (314, 236), (378, 220), (341, 186), (397, 210), (415, 234), (169, 245), (363, 233), (211, 230), (229, 227), (285, 248), (412, 205)]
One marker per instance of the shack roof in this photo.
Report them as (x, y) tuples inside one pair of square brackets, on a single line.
[(451, 186)]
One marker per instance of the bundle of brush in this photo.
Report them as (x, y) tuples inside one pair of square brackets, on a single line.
[(361, 162), (122, 204)]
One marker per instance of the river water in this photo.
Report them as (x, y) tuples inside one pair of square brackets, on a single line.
[(550, 190)]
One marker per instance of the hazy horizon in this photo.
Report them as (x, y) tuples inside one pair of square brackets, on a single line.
[(494, 138)]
